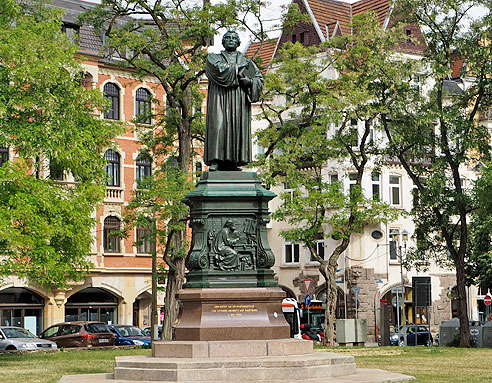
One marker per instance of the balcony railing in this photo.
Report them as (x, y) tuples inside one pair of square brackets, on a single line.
[(114, 195)]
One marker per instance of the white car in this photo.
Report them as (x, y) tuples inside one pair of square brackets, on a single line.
[(18, 338)]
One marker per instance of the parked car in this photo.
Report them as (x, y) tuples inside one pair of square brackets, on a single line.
[(416, 336), (128, 335), (146, 331), (18, 338), (79, 334)]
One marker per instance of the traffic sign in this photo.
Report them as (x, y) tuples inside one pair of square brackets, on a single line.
[(487, 299), (307, 300), (307, 283)]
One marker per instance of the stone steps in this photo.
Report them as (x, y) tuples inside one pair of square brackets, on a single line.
[(272, 361), (297, 367)]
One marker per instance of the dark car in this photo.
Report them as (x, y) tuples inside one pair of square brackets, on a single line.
[(416, 336), (18, 338), (146, 331), (126, 335), (79, 334)]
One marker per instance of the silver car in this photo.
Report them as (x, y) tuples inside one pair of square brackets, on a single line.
[(17, 338)]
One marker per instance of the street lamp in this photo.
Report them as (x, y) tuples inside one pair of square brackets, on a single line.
[(395, 236)]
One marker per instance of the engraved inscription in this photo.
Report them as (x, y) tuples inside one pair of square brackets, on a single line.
[(234, 310)]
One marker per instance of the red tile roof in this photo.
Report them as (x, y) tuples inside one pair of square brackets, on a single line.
[(263, 54)]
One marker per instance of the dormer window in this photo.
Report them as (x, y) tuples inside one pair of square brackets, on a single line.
[(72, 32), (408, 33), (301, 37), (294, 38)]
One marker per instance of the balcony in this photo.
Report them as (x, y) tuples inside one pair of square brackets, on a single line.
[(114, 195)]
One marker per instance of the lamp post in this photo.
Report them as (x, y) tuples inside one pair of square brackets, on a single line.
[(404, 238), (399, 238)]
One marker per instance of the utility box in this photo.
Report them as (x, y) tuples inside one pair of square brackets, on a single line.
[(345, 331), (448, 331), (487, 335), (351, 331), (476, 334)]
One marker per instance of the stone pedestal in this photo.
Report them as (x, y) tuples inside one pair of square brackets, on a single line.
[(220, 256), (232, 314), (230, 291)]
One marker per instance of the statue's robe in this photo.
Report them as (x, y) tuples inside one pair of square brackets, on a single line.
[(228, 129)]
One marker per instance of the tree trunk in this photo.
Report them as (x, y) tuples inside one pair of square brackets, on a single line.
[(174, 283), (462, 304), (328, 271)]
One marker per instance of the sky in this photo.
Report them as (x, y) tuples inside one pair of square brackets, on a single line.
[(273, 13)]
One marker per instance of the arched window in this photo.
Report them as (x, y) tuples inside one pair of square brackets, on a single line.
[(92, 304), (112, 93), (144, 167), (142, 106), (4, 155), (111, 238), (112, 167)]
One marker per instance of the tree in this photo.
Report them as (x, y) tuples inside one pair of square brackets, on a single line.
[(168, 40), (439, 138), (47, 119), (313, 98)]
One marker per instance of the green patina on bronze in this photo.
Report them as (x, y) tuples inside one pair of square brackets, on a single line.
[(229, 208), (234, 83), (229, 248)]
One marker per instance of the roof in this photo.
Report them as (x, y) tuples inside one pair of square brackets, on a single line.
[(89, 41), (263, 53), (328, 12)]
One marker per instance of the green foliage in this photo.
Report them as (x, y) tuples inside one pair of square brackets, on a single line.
[(46, 114), (310, 109), (439, 137)]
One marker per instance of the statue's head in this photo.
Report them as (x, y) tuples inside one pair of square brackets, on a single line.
[(231, 41), (230, 224)]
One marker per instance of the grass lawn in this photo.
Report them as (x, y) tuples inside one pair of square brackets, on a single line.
[(50, 367), (427, 364)]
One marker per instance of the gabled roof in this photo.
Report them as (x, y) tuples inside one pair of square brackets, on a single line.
[(328, 13), (263, 53)]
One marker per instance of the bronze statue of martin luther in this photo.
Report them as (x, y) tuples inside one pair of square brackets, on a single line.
[(234, 83)]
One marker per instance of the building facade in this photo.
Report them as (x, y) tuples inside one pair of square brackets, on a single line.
[(372, 264), (118, 289)]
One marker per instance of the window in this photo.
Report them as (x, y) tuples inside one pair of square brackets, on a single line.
[(333, 179), (289, 189), (376, 186), (415, 83), (4, 155), (353, 134), (301, 37), (56, 171), (72, 32), (142, 106), (395, 186), (112, 93), (112, 167), (144, 241), (143, 167), (352, 180), (111, 238), (291, 253), (294, 38), (320, 248), (408, 33)]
